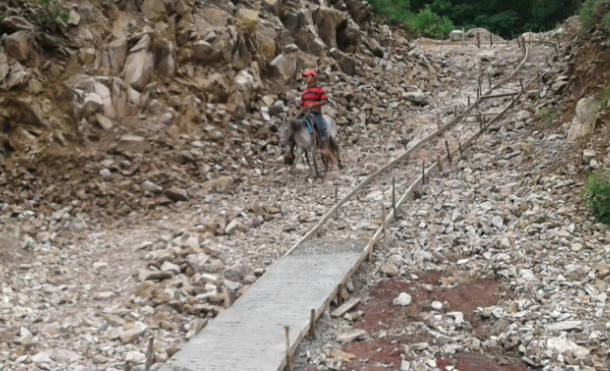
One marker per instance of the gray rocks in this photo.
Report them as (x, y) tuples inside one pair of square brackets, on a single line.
[(583, 123)]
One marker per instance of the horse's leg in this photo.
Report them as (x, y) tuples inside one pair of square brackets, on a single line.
[(307, 158), (335, 148), (297, 156)]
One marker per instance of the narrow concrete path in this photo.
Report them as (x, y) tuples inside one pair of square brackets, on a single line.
[(250, 334)]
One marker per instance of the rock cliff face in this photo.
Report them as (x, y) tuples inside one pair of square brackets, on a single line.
[(157, 60), (121, 89)]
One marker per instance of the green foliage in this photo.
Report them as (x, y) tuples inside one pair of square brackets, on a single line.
[(430, 24), (548, 115), (426, 22), (395, 10), (50, 15), (506, 18), (594, 12), (597, 196)]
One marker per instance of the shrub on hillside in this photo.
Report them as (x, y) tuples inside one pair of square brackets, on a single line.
[(50, 15), (396, 11), (597, 196), (595, 12), (430, 24)]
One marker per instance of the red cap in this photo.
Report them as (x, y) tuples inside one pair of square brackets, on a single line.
[(310, 73)]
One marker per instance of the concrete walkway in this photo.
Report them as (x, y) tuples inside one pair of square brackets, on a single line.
[(250, 334)]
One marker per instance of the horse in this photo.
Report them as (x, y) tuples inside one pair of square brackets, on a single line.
[(296, 132)]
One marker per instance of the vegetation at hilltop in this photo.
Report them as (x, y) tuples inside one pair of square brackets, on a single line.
[(436, 18)]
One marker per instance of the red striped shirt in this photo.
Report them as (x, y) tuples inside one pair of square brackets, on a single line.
[(312, 95)]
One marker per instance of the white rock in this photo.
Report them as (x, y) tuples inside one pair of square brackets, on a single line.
[(562, 345), (135, 357), (43, 357), (527, 275), (403, 299), (565, 325)]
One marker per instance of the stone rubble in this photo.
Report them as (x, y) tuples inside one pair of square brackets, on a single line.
[(510, 211), (171, 199)]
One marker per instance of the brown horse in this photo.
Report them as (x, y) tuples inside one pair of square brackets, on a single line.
[(296, 132)]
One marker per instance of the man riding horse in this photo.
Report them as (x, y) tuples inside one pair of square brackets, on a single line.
[(311, 128), (312, 100)]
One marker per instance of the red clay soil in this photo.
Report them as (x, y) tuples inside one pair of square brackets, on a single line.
[(478, 362), (382, 354), (463, 297)]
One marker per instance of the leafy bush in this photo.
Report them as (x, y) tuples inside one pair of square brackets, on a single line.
[(597, 196), (593, 12), (426, 22), (430, 24), (50, 15), (395, 10)]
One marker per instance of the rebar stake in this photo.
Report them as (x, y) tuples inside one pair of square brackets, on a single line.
[(423, 172), (336, 200), (227, 297), (448, 152), (383, 220), (394, 196), (521, 84), (438, 120), (149, 354), (288, 358), (312, 324)]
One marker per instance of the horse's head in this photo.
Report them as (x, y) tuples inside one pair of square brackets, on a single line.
[(285, 133)]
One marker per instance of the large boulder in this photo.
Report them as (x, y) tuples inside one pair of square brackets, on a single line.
[(328, 20), (267, 47), (283, 67), (583, 123), (140, 64), (347, 63), (272, 6), (456, 35), (217, 46), (247, 19), (164, 55), (106, 97), (308, 41), (153, 9), (349, 36), (361, 11), (215, 16), (111, 59), (18, 45), (245, 85), (15, 23), (205, 52)]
